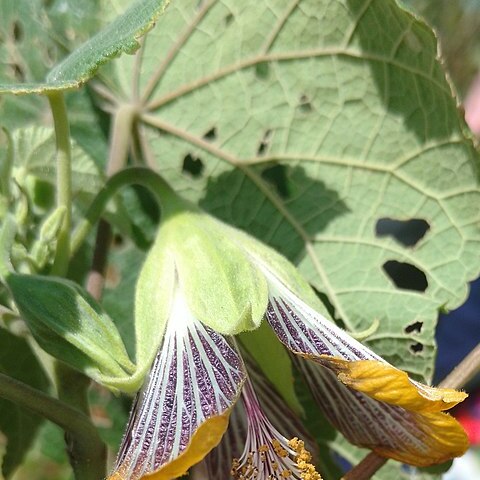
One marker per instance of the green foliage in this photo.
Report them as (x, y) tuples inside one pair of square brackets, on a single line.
[(326, 129), (17, 424), (312, 133), (70, 325)]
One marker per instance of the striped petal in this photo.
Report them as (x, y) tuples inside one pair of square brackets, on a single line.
[(364, 378), (182, 411), (409, 436), (218, 463), (268, 454)]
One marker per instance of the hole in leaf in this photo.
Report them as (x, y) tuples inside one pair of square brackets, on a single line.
[(305, 105), (228, 19), (262, 70), (414, 327), (192, 166), (277, 177), (264, 143), (407, 232), (17, 30), (406, 275), (211, 135), (416, 347), (113, 276)]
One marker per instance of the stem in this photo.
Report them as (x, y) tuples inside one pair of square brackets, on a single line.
[(366, 468), (464, 371), (69, 419), (119, 143), (86, 450), (135, 175), (64, 180)]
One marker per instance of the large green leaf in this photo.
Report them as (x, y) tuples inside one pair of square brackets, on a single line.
[(120, 36), (18, 425), (312, 125)]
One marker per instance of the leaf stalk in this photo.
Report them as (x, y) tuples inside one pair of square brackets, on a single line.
[(64, 179)]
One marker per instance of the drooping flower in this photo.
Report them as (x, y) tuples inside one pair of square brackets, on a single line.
[(220, 282), (374, 404)]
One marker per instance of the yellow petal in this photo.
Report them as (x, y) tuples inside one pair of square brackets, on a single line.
[(378, 407), (206, 438), (444, 437), (387, 384)]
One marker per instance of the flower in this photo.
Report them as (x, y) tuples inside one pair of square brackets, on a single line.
[(204, 282), (262, 437)]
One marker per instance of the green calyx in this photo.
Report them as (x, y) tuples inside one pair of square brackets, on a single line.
[(70, 325), (222, 287)]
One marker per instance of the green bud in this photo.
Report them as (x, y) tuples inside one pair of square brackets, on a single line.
[(70, 325), (153, 299), (52, 224), (44, 245), (278, 265)]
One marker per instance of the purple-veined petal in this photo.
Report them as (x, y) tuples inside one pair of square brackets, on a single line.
[(182, 410), (362, 388), (268, 453), (306, 332), (390, 430), (282, 417), (218, 463)]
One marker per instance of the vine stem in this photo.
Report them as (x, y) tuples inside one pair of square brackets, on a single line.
[(75, 423), (129, 176), (366, 468), (464, 371), (64, 180), (86, 450)]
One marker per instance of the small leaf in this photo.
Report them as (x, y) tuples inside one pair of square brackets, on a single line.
[(18, 425), (70, 325), (121, 36)]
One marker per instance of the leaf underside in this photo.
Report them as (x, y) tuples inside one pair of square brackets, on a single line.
[(329, 131)]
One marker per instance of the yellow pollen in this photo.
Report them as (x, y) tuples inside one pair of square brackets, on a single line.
[(301, 456)]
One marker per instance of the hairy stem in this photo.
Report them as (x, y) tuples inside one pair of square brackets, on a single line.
[(366, 468), (75, 423), (64, 180), (464, 371)]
